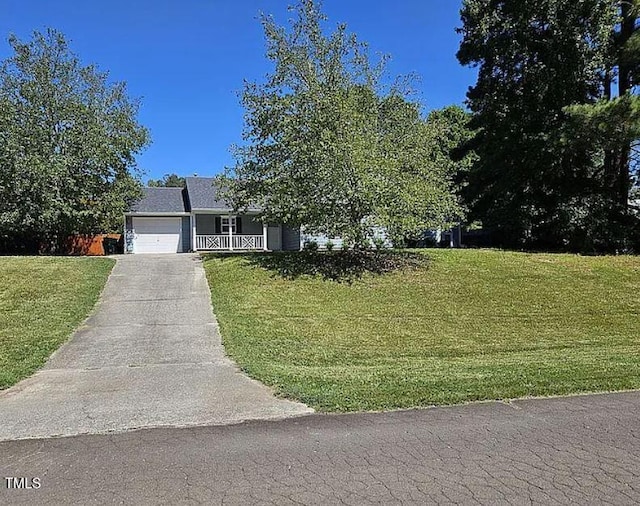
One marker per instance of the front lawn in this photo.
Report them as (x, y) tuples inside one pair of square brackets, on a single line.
[(474, 324), (42, 300)]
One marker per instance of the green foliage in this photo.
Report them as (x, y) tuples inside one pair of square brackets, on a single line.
[(329, 148), (310, 246), (168, 181), (450, 138), (379, 243), (606, 123), (452, 133), (552, 140), (329, 245), (69, 140)]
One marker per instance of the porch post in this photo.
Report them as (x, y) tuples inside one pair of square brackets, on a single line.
[(230, 234), (264, 236), (194, 245)]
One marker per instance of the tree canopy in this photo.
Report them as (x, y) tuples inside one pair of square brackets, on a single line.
[(168, 181), (331, 146), (553, 139), (68, 143)]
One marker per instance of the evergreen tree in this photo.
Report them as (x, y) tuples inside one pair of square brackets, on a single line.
[(548, 174)]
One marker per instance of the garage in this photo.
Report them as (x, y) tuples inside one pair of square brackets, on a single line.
[(157, 234)]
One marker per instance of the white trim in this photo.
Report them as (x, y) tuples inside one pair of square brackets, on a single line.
[(224, 242), (232, 224), (230, 229), (264, 235)]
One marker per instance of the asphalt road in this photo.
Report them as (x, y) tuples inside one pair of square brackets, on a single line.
[(582, 450)]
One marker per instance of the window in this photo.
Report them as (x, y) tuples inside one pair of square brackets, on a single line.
[(228, 221)]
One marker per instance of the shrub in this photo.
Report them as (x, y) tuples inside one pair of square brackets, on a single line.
[(399, 242), (429, 242), (329, 245), (310, 246), (379, 243)]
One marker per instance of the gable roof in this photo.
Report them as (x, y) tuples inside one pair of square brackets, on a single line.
[(198, 194), (162, 200), (203, 195)]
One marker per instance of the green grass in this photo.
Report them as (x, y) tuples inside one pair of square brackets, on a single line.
[(475, 324), (42, 300)]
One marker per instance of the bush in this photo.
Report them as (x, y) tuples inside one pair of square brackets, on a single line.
[(429, 242), (310, 246), (329, 245), (399, 242), (379, 243)]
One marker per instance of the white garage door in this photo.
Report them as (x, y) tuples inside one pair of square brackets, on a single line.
[(157, 235)]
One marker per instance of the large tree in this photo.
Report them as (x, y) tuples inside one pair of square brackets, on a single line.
[(329, 147), (611, 126), (68, 143), (541, 178)]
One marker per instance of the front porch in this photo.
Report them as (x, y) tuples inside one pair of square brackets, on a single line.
[(215, 232)]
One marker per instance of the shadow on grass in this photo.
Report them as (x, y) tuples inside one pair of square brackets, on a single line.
[(340, 266)]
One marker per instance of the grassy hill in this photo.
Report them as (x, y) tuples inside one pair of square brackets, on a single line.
[(471, 325)]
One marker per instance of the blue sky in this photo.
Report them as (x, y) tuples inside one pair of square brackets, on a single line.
[(187, 59)]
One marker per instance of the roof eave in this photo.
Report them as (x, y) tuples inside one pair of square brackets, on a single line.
[(156, 213)]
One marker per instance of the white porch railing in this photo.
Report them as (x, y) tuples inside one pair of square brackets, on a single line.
[(225, 242)]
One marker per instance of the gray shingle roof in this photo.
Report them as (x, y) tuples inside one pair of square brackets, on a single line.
[(162, 200), (198, 194), (202, 194)]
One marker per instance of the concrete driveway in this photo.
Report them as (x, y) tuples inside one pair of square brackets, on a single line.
[(149, 356)]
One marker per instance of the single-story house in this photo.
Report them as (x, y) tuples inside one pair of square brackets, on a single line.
[(194, 218)]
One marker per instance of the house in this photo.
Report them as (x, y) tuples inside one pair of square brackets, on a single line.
[(194, 218), (323, 240)]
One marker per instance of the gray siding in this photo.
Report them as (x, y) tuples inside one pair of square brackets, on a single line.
[(251, 226), (274, 237), (186, 234), (290, 238), (378, 233), (205, 224)]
